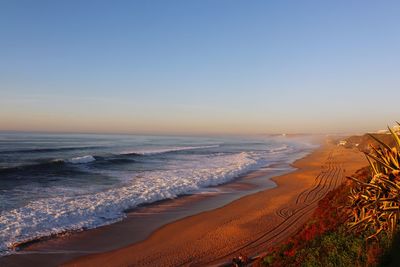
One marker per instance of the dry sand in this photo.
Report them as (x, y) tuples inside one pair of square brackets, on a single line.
[(248, 225)]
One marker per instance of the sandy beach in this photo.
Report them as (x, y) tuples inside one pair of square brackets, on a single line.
[(140, 222), (248, 225), (205, 229)]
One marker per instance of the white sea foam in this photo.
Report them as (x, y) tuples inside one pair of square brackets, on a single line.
[(151, 151), (82, 160), (49, 216), (279, 149)]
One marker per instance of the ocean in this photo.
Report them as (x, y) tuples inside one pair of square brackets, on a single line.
[(56, 183)]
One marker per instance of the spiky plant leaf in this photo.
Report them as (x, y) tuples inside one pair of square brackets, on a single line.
[(380, 142), (375, 204), (395, 137)]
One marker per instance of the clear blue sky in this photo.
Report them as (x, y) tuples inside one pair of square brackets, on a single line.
[(199, 66)]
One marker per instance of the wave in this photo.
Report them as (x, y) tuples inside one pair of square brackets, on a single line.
[(60, 166), (45, 217), (32, 168), (46, 166), (164, 150), (82, 160), (119, 158), (279, 149), (43, 168), (49, 150)]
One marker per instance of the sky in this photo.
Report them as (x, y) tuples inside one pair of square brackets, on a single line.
[(199, 67)]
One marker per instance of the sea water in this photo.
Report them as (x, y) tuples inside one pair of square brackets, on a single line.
[(53, 183)]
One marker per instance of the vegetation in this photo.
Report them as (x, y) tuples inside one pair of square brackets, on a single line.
[(375, 203), (325, 240), (355, 224)]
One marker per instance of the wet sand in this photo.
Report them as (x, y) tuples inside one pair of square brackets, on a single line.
[(248, 225)]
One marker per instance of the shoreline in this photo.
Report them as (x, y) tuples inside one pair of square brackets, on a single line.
[(247, 225), (55, 250), (203, 210)]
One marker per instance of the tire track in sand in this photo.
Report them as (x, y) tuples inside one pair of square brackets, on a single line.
[(330, 176)]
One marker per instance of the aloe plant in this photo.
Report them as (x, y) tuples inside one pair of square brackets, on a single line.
[(375, 204)]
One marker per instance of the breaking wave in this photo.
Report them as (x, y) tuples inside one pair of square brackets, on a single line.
[(45, 217)]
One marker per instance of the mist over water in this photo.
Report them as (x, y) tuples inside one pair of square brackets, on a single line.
[(55, 183)]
